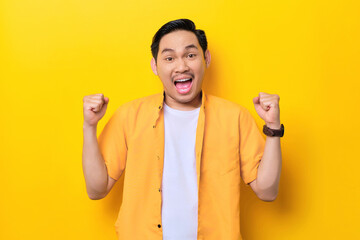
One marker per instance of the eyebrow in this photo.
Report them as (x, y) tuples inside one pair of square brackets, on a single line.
[(172, 50)]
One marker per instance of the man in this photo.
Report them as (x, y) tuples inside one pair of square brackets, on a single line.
[(182, 151)]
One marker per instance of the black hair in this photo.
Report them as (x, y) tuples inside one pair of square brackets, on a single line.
[(179, 24)]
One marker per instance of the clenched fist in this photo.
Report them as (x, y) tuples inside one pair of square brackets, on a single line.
[(267, 107), (94, 108)]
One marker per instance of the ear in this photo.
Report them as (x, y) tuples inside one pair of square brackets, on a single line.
[(153, 66), (207, 58)]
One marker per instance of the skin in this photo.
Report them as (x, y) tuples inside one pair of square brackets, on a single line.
[(180, 56), (98, 182), (266, 185)]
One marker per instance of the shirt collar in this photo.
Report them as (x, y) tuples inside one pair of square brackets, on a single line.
[(159, 104)]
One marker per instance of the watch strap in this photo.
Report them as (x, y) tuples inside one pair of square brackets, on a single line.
[(273, 132)]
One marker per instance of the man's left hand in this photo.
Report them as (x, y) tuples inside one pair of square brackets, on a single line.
[(267, 107)]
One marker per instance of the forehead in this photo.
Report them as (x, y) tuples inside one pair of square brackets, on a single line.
[(178, 40)]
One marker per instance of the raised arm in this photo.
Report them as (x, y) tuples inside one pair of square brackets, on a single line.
[(98, 182), (266, 185)]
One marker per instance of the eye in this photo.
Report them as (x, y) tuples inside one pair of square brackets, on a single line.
[(169, 59), (191, 55)]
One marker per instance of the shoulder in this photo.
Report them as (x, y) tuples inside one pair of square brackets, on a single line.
[(222, 104), (143, 103)]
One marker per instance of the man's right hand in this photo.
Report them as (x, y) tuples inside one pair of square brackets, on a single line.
[(98, 181), (95, 106)]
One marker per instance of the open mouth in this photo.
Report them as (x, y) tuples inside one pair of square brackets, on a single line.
[(183, 85)]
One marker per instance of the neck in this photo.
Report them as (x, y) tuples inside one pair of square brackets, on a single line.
[(187, 106)]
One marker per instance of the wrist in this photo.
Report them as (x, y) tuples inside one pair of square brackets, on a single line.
[(273, 130), (87, 126)]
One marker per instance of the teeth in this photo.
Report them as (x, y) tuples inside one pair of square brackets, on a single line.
[(183, 80)]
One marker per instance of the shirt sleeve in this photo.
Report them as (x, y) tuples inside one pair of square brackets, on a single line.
[(252, 146), (112, 144)]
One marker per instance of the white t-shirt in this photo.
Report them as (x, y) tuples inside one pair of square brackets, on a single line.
[(179, 184)]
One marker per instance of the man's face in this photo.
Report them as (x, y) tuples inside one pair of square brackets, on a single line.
[(181, 66)]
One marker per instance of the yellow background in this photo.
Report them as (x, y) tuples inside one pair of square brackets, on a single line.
[(52, 53)]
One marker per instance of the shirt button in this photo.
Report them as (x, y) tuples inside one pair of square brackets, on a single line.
[(159, 107), (158, 157), (159, 225), (159, 190), (153, 126)]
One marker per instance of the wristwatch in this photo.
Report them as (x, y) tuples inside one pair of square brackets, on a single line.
[(274, 132)]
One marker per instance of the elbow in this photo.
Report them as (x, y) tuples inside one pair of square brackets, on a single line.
[(93, 196), (268, 197)]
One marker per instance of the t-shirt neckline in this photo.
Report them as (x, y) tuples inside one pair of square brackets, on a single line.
[(185, 112)]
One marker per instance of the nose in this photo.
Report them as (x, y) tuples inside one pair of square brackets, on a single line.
[(182, 66)]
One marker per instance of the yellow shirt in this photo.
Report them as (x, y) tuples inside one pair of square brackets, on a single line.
[(228, 147)]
